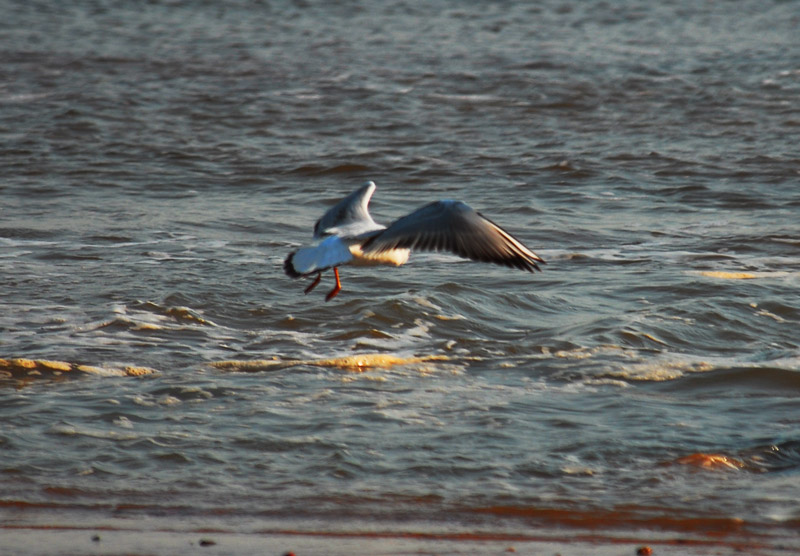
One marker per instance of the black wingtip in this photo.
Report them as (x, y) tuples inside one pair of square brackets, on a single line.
[(520, 264), (288, 266)]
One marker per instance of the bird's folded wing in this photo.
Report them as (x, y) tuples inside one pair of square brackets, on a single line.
[(328, 253), (454, 226)]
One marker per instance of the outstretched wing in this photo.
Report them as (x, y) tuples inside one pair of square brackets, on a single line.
[(454, 226), (350, 216)]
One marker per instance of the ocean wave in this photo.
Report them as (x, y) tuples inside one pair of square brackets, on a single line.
[(32, 369)]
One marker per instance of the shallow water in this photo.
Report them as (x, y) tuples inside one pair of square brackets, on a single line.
[(160, 160)]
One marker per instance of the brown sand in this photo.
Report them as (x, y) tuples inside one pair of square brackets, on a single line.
[(77, 541)]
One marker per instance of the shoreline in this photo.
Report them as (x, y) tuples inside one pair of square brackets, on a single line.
[(34, 540)]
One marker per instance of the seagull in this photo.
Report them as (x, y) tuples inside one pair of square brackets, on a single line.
[(347, 234)]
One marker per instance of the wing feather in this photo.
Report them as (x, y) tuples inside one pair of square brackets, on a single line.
[(350, 216), (454, 226)]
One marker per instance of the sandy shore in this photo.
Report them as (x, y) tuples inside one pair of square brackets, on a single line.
[(54, 541)]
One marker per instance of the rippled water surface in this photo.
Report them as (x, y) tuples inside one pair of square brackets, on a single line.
[(159, 370)]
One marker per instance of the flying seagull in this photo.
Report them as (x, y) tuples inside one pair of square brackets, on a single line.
[(349, 235)]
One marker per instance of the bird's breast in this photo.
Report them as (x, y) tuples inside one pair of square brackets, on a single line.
[(392, 256)]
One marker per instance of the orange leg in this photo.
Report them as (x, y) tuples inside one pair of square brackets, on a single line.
[(337, 288), (314, 283)]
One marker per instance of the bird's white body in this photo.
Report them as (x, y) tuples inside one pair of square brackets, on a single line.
[(349, 235), (337, 251), (394, 257)]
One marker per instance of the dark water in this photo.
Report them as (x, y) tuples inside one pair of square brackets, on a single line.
[(160, 159)]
